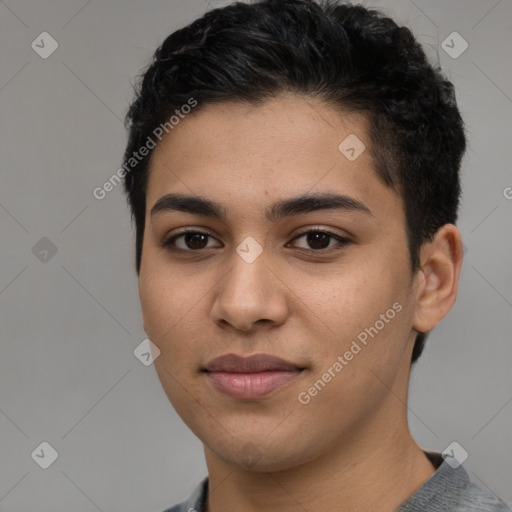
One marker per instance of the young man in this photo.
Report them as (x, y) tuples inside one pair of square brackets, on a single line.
[(292, 170)]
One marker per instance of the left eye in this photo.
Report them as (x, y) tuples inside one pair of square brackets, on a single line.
[(318, 239), (196, 240)]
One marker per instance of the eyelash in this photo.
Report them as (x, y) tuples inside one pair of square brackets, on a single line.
[(168, 243)]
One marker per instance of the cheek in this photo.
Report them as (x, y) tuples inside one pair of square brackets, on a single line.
[(367, 306), (168, 310), (346, 299), (175, 311), (165, 302), (152, 301)]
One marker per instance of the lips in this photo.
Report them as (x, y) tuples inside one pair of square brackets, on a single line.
[(256, 363), (250, 377)]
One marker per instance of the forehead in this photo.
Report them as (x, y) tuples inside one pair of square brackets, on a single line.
[(251, 155)]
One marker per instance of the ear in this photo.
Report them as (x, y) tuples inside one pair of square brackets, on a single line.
[(437, 280), (143, 316)]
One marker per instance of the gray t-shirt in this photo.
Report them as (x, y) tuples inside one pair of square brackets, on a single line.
[(447, 490)]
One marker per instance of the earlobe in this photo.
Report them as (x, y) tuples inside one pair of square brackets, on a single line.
[(438, 278)]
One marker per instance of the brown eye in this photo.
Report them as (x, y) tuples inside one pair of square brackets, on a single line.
[(192, 241), (196, 240), (318, 240)]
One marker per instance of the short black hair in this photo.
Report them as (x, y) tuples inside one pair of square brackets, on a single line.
[(351, 57)]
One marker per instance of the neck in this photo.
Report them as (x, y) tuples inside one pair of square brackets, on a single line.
[(376, 468)]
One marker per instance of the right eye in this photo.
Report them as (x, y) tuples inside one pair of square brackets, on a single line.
[(193, 241)]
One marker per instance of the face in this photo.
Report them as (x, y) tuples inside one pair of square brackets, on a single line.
[(251, 278)]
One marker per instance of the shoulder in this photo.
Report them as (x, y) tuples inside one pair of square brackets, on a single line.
[(477, 499), (180, 507), (449, 489), (195, 502)]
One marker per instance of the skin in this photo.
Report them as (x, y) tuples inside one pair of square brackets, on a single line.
[(350, 445)]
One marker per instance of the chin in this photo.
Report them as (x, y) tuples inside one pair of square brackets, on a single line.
[(260, 453)]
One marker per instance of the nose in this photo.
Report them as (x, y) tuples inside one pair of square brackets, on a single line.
[(250, 293)]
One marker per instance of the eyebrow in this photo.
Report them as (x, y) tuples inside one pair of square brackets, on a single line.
[(305, 203)]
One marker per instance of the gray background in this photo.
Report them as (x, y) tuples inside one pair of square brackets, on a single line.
[(69, 325)]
